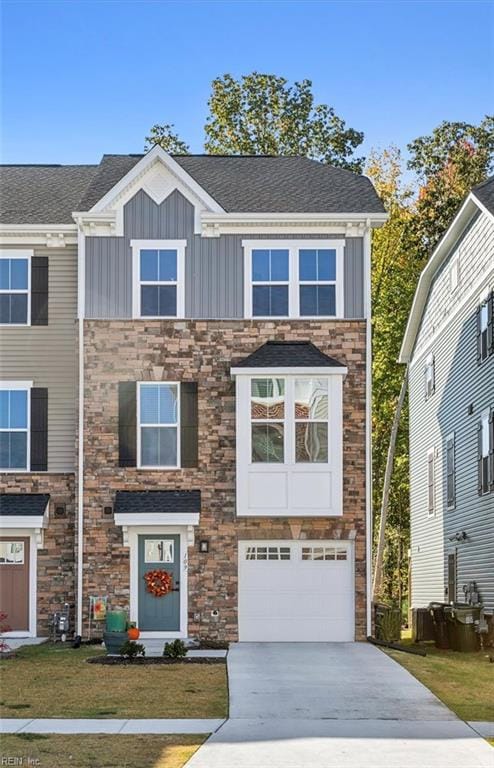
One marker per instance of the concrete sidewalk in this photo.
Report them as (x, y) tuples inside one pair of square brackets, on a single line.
[(83, 725)]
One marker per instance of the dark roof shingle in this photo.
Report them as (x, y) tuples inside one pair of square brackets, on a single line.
[(23, 503), (288, 354), (159, 502), (485, 193), (31, 194)]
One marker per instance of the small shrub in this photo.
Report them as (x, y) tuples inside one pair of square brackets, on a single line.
[(4, 646), (131, 650), (175, 650)]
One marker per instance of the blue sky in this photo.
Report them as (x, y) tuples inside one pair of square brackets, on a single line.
[(83, 78)]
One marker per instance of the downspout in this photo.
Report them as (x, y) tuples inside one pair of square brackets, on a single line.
[(81, 276), (368, 425)]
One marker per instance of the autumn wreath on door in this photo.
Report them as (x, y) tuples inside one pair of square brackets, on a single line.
[(158, 583)]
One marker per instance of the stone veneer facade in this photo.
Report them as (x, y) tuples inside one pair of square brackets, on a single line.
[(204, 351), (55, 559)]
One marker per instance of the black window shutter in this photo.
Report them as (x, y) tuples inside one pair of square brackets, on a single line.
[(490, 323), (39, 429), (127, 424), (479, 458), (479, 337), (188, 424), (39, 290)]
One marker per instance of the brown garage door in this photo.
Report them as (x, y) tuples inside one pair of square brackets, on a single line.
[(14, 582)]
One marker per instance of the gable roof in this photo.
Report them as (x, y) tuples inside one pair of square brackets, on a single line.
[(480, 198), (31, 194), (485, 193), (288, 354)]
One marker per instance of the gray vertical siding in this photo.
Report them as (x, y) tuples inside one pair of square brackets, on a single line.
[(460, 383), (213, 266), (46, 355)]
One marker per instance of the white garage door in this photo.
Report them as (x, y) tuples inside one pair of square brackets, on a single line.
[(296, 591)]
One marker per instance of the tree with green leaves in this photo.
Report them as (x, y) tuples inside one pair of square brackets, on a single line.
[(261, 114), (165, 136)]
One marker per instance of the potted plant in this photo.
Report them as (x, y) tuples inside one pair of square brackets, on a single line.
[(115, 634)]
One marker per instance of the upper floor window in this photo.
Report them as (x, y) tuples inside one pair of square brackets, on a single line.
[(158, 286), (450, 471), (14, 428), (158, 425), (14, 290), (293, 278), (454, 273), (485, 325), (486, 451), (429, 375), (289, 420), (431, 496)]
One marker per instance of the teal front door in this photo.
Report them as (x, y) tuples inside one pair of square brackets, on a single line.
[(159, 552)]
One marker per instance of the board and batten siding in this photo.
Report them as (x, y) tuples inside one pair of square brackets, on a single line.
[(214, 276), (449, 332), (46, 355)]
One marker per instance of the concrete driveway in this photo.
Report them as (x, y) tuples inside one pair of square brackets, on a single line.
[(334, 705)]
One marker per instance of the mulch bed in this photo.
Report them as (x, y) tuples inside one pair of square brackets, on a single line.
[(150, 660)]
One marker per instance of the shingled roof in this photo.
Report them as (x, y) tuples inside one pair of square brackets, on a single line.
[(48, 194), (158, 502), (485, 193), (13, 504), (288, 354)]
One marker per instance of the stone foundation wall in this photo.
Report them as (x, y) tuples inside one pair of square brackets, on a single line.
[(204, 351), (56, 567)]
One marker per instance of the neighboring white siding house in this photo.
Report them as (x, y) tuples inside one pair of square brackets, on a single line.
[(449, 347)]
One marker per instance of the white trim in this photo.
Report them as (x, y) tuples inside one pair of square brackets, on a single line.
[(174, 245), (293, 246), (133, 534), (12, 253), (81, 311), (451, 437), (176, 425), (438, 256), (290, 371), (33, 536), (367, 252), (21, 386), (157, 154), (50, 235), (423, 347), (156, 518)]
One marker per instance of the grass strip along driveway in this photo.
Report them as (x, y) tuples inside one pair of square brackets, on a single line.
[(463, 681), (98, 751), (54, 680)]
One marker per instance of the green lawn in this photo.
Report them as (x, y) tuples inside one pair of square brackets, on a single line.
[(103, 751), (463, 681), (55, 681)]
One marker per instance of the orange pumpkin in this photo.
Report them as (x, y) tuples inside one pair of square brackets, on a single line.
[(133, 633)]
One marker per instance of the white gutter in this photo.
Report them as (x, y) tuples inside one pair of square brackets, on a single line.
[(368, 426), (367, 218), (81, 277)]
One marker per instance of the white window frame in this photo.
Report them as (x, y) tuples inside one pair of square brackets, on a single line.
[(290, 423), (485, 448), (139, 425), (294, 283), (23, 386), (175, 245), (431, 481), (6, 253), (429, 375)]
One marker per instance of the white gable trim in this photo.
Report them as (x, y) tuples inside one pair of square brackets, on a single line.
[(156, 154), (439, 255)]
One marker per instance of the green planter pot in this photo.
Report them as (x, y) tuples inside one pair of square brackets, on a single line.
[(113, 642), (116, 621)]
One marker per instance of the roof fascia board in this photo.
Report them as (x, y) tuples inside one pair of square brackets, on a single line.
[(324, 370), (276, 217), (50, 235), (157, 154), (441, 251), (482, 206)]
